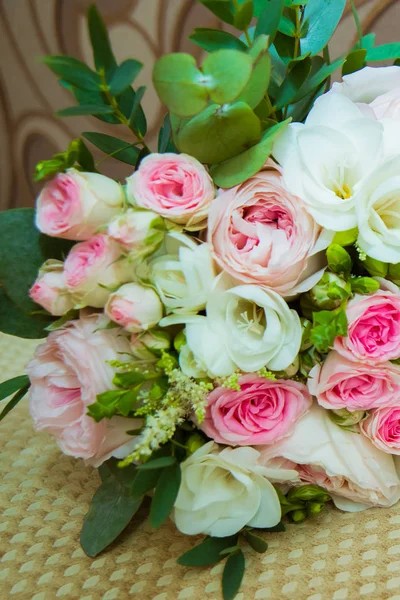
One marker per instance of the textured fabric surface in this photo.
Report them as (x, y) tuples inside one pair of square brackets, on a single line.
[(44, 496)]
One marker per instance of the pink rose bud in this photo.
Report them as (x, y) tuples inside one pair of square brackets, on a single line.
[(382, 427), (50, 290), (175, 186), (74, 205), (374, 328), (137, 230), (148, 345), (261, 412), (93, 269), (342, 383), (134, 307), (66, 374)]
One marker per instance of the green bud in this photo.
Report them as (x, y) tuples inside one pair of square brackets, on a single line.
[(305, 339), (299, 515), (376, 268), (394, 273), (314, 508), (304, 493), (180, 340), (345, 418), (290, 371), (364, 285), (195, 442), (346, 238), (308, 360), (339, 260), (329, 292)]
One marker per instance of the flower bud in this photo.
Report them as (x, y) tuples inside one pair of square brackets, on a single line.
[(346, 238), (345, 418), (149, 345), (306, 337), (50, 290), (134, 307), (376, 268), (137, 230), (364, 285), (304, 493), (394, 273), (298, 515), (314, 508), (180, 340), (194, 442), (339, 260), (328, 294), (308, 360)]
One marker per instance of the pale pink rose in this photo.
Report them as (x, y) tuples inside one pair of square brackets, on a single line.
[(382, 427), (347, 465), (93, 268), (373, 328), (50, 290), (136, 229), (387, 106), (74, 205), (342, 383), (260, 233), (66, 374), (262, 412), (175, 186), (135, 307)]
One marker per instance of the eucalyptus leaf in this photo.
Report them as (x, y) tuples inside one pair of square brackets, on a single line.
[(103, 55), (214, 39), (119, 149), (314, 81), (85, 109), (269, 18), (287, 26), (207, 552), (134, 121), (73, 71), (323, 17), (127, 103), (232, 575), (384, 52), (292, 83), (145, 481), (13, 385), (158, 463), (165, 494), (14, 400), (14, 321), (257, 86), (221, 9), (165, 143), (243, 15), (124, 75), (354, 61), (256, 542), (230, 71), (220, 132)]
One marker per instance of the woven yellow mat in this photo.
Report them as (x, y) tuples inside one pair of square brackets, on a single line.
[(44, 496)]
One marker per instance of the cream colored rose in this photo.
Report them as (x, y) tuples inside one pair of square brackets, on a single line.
[(222, 491)]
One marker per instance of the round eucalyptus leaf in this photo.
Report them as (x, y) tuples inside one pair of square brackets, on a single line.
[(228, 72), (220, 132)]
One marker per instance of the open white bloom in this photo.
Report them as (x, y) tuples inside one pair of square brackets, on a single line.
[(347, 465), (246, 327), (184, 275), (325, 159), (378, 212), (222, 491)]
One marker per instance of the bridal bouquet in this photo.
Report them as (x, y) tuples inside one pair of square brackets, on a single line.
[(223, 326)]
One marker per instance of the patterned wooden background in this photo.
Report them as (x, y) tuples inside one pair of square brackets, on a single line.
[(144, 29)]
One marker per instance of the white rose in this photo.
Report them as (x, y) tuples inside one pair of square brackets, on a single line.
[(325, 159), (134, 307), (222, 491), (378, 212), (137, 230), (347, 465), (183, 276)]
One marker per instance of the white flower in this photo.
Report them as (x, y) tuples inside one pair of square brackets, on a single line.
[(355, 473), (183, 276), (325, 159), (222, 491), (378, 212)]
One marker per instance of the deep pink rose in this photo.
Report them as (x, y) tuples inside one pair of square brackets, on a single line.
[(74, 205), (382, 427), (260, 233), (374, 328), (175, 186), (66, 374), (342, 383), (262, 412)]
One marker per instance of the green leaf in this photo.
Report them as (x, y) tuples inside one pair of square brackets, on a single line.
[(230, 71), (124, 75), (12, 385), (277, 528), (384, 52), (257, 86), (323, 17), (326, 326), (74, 71), (220, 132), (14, 401), (268, 21), (243, 15), (85, 109), (14, 321), (221, 9), (158, 463), (287, 26), (245, 165), (167, 489), (111, 510), (354, 61), (292, 83), (131, 378), (165, 143), (314, 81), (367, 41), (364, 285), (145, 481), (104, 58), (256, 542), (339, 260), (71, 315), (207, 552), (119, 149), (214, 39), (233, 575), (134, 121), (180, 84)]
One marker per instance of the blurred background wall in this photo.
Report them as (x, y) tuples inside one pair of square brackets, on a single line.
[(143, 29)]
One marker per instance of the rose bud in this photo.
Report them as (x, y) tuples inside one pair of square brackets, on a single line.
[(134, 307), (376, 268), (137, 230), (328, 294), (50, 290), (74, 204), (148, 345)]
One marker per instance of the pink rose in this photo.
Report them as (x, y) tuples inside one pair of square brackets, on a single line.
[(74, 205), (262, 234), (135, 307), (137, 230), (50, 290), (262, 412), (343, 383), (374, 328), (382, 427), (93, 267), (66, 374), (175, 186)]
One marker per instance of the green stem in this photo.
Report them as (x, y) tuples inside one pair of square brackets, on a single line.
[(297, 36), (271, 109)]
